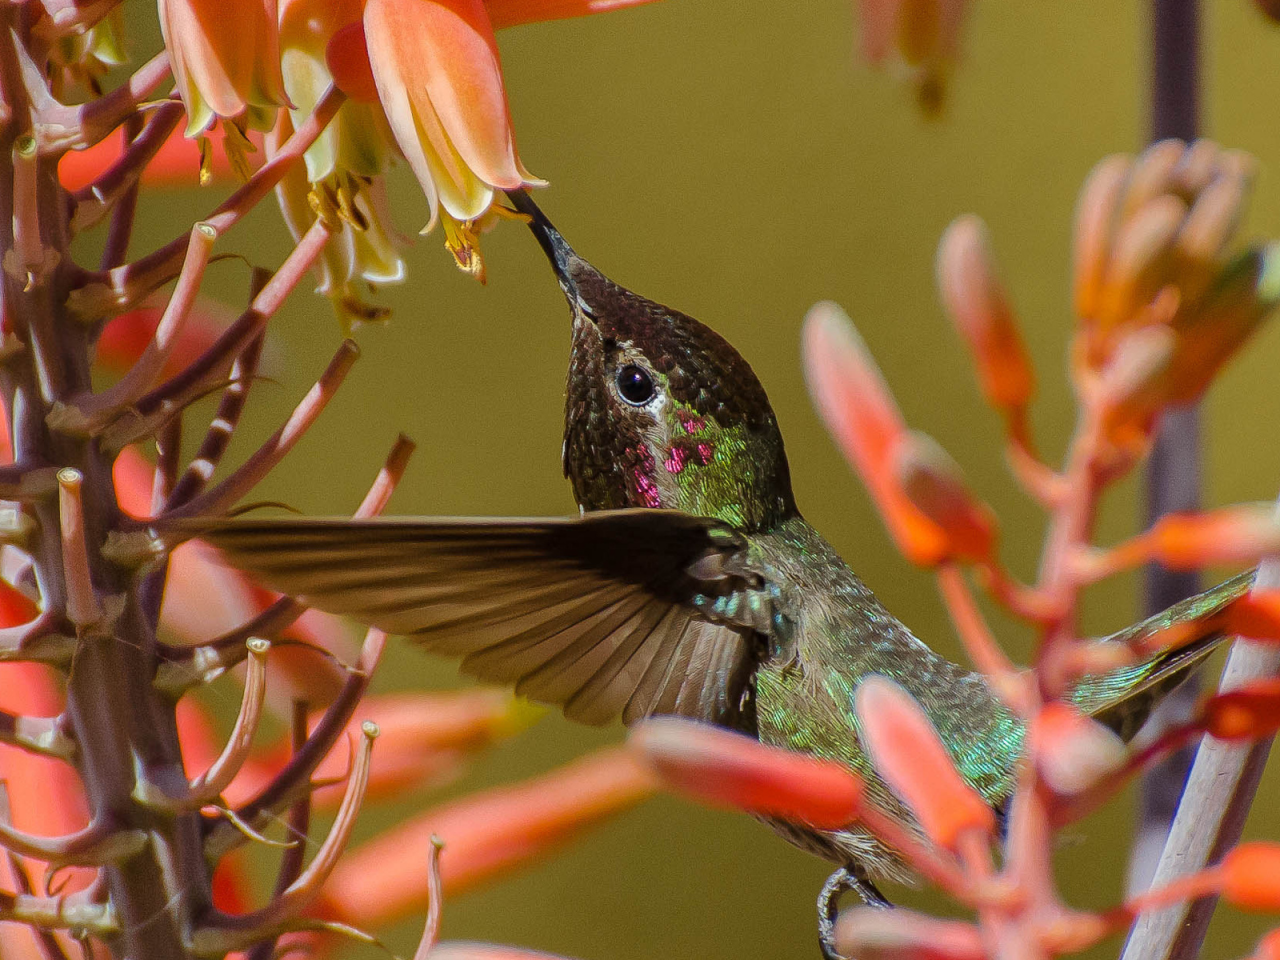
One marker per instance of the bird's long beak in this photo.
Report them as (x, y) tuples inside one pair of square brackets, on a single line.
[(558, 251)]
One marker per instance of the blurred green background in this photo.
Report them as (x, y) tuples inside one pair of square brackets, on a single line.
[(732, 158)]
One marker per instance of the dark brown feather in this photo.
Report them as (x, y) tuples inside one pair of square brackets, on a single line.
[(605, 614)]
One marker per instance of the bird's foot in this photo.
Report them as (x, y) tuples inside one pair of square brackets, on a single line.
[(854, 878)]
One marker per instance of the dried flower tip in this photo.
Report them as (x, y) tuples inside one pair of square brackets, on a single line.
[(1250, 712), (869, 933), (1231, 535), (729, 769), (909, 755), (1073, 752), (1254, 616), (1250, 876), (465, 950), (1096, 216), (980, 309), (932, 481), (858, 409)]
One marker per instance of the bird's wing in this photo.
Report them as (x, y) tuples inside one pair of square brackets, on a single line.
[(617, 613), (1122, 699)]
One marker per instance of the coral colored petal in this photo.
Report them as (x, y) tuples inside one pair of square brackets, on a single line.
[(442, 55), (871, 933), (133, 475), (126, 336), (1251, 876), (1255, 616), (176, 163), (509, 13), (1239, 534), (980, 310), (729, 769), (908, 754), (347, 58), (1245, 713), (1268, 947), (1072, 751), (485, 834), (854, 402)]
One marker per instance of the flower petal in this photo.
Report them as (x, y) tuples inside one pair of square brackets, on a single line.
[(724, 768), (857, 407), (908, 753), (440, 57), (484, 834)]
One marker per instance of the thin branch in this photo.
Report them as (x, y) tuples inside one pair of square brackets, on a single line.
[(46, 639), (187, 666), (979, 642), (207, 787), (49, 944), (92, 203), (263, 460), (74, 912), (1215, 803), (43, 735), (195, 379), (86, 415), (221, 427), (1173, 470), (25, 482), (114, 290), (298, 827), (222, 933), (435, 901), (168, 458), (83, 608), (98, 843), (295, 779), (78, 128)]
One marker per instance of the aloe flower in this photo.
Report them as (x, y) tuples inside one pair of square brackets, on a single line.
[(225, 56)]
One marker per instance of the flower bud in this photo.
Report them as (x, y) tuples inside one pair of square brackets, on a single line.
[(729, 769), (932, 482), (908, 754), (980, 309), (858, 409)]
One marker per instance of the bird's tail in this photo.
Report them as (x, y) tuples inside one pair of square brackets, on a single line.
[(1124, 698)]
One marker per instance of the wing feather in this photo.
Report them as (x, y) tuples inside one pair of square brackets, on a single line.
[(626, 612)]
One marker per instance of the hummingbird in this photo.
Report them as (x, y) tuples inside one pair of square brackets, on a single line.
[(690, 583)]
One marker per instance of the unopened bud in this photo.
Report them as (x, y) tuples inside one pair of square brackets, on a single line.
[(1231, 535), (857, 407), (934, 485), (979, 307), (907, 752), (1245, 713)]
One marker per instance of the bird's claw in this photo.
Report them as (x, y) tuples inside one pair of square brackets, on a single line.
[(853, 878)]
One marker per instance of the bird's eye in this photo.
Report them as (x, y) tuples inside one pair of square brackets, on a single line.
[(635, 385)]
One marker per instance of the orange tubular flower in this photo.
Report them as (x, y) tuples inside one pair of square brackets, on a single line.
[(225, 56), (435, 65)]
